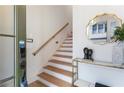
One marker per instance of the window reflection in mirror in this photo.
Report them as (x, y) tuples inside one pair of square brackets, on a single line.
[(100, 29)]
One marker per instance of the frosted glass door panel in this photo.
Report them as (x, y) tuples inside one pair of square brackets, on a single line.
[(7, 19), (6, 57), (7, 40)]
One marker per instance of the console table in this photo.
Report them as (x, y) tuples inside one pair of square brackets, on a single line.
[(82, 83)]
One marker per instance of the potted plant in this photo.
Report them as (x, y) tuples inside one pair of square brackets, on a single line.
[(119, 33), (118, 49)]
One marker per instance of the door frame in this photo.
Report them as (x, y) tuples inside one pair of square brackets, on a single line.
[(20, 32)]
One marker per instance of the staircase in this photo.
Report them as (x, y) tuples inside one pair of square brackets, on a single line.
[(58, 72)]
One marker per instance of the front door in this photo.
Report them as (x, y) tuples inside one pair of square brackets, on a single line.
[(7, 46), (12, 46)]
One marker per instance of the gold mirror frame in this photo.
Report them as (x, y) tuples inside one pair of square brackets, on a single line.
[(100, 15)]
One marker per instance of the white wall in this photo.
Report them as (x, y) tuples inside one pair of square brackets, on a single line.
[(42, 23), (69, 11), (6, 43), (81, 17)]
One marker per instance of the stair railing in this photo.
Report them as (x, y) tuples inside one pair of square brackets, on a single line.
[(42, 46)]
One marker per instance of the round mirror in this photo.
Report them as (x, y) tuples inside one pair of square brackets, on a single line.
[(100, 29)]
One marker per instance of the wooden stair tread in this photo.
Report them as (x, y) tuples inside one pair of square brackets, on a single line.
[(54, 80), (66, 46), (69, 35), (57, 70), (64, 50), (60, 62), (64, 56), (68, 39), (37, 83), (67, 43)]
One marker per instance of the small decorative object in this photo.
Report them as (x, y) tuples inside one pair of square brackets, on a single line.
[(88, 53), (85, 53), (118, 49)]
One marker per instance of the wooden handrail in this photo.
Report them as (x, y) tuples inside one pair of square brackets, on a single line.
[(37, 51)]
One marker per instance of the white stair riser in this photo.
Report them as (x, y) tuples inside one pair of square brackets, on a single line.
[(64, 53), (62, 64), (68, 60), (67, 68), (68, 41), (70, 49), (47, 83), (66, 44), (69, 38), (57, 75)]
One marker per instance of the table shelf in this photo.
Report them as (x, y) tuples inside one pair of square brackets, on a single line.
[(99, 63), (83, 83)]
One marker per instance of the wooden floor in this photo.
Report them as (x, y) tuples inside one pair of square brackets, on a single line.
[(37, 84)]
